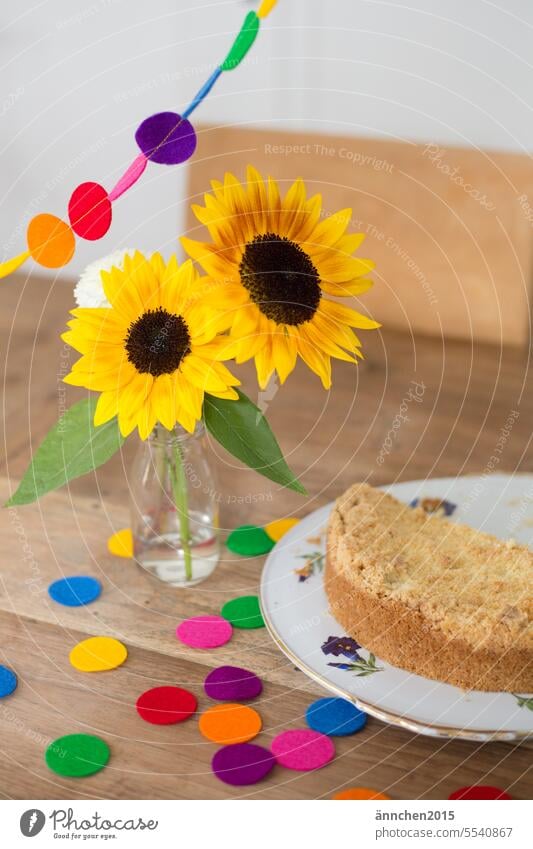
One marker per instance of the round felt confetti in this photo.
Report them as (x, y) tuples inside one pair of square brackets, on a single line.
[(250, 541), (75, 591), (166, 138), (302, 749), (243, 612), (97, 654), (89, 211), (166, 705), (242, 764), (232, 684), (360, 793), (77, 755), (479, 791), (276, 530), (50, 241), (204, 632), (230, 723), (8, 681), (121, 543), (335, 717)]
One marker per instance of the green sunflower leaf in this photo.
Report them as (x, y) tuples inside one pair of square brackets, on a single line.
[(242, 429), (73, 447)]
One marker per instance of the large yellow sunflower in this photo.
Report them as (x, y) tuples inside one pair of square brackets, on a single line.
[(155, 351), (275, 261)]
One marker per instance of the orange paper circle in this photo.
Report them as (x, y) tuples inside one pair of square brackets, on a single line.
[(230, 723), (360, 793), (51, 242)]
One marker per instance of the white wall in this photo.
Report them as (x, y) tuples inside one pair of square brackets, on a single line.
[(77, 77)]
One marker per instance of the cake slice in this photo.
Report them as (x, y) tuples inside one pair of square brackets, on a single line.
[(435, 598)]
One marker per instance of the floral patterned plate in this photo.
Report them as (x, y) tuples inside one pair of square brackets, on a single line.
[(296, 613)]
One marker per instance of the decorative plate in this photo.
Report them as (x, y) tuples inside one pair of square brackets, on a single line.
[(295, 610)]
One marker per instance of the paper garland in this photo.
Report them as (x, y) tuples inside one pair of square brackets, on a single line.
[(166, 138)]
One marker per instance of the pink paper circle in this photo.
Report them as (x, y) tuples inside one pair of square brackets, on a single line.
[(204, 632), (302, 749)]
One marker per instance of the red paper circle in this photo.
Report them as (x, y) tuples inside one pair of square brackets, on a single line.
[(166, 705), (89, 211), (479, 791)]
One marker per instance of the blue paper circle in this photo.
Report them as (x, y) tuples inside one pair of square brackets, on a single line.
[(8, 681), (75, 591), (335, 717)]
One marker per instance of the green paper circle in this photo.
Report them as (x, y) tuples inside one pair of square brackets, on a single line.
[(250, 540), (76, 755), (243, 612)]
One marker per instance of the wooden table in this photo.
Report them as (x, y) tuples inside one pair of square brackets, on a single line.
[(331, 440)]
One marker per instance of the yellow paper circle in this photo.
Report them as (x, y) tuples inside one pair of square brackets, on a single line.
[(121, 543), (97, 654), (265, 8), (277, 529), (51, 241)]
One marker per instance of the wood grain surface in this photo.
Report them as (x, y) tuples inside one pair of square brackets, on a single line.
[(331, 439)]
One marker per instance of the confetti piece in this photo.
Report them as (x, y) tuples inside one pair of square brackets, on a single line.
[(75, 591), (166, 138), (202, 94), (77, 755), (89, 211), (242, 764), (50, 241), (242, 43), (265, 8), (360, 793), (166, 705), (335, 717), (233, 684), (8, 681), (249, 540), (121, 543), (230, 724), (276, 530), (98, 654), (11, 265), (302, 749), (244, 612), (204, 632), (479, 791), (130, 177)]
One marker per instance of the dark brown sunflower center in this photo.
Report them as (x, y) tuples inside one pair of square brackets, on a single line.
[(281, 279), (157, 342)]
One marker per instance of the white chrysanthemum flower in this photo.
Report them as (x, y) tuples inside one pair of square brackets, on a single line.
[(89, 291)]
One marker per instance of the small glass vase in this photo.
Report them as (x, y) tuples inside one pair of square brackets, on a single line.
[(174, 507)]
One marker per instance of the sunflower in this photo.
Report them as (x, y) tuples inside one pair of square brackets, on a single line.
[(155, 351), (275, 261)]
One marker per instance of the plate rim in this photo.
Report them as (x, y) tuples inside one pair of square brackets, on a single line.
[(407, 722)]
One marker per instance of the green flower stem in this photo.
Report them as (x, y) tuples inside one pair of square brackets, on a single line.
[(179, 489)]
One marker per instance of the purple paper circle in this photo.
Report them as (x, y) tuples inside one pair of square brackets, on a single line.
[(242, 764), (232, 684), (166, 138)]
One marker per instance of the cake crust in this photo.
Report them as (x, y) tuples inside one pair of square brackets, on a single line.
[(395, 602)]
